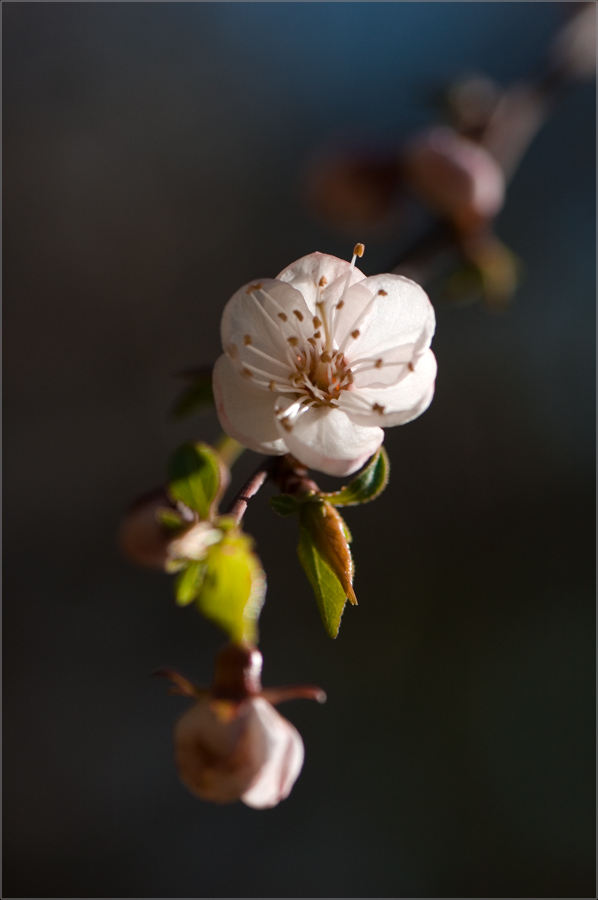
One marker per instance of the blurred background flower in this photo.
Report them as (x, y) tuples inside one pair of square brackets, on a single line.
[(154, 160)]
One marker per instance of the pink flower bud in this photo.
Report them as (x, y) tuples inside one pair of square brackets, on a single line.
[(455, 177), (249, 752), (142, 538)]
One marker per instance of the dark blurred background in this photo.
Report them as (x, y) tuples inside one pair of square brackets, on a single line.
[(153, 157)]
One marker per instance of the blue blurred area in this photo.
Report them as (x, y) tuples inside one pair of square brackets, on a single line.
[(153, 162)]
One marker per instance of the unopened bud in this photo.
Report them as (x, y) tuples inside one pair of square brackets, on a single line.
[(457, 178), (574, 50), (255, 755), (353, 188), (142, 537), (232, 744)]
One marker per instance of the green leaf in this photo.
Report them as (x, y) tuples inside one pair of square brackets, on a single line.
[(188, 583), (234, 587), (171, 519), (285, 504), (197, 478), (195, 397), (330, 594), (366, 486)]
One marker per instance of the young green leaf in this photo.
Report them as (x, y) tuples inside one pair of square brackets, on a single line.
[(324, 554), (366, 486), (331, 536), (171, 519), (285, 504), (330, 594), (234, 587), (197, 478), (188, 583), (195, 397)]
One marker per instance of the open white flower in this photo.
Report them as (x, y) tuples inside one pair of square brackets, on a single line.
[(318, 360), (254, 755)]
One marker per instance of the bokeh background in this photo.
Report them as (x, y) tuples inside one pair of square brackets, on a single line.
[(153, 160)]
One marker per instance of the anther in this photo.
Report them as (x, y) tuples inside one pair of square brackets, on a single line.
[(383, 293), (247, 340), (322, 282), (377, 408), (253, 287), (358, 250), (272, 385), (247, 373), (355, 334), (299, 314), (282, 316), (312, 340), (325, 357), (317, 322), (233, 351), (293, 341), (340, 304), (378, 364), (317, 334), (411, 367)]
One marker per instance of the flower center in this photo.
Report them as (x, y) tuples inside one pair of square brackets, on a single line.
[(322, 375)]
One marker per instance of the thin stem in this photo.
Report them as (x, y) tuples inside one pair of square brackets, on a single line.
[(239, 505)]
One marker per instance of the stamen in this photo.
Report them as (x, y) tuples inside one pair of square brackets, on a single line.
[(355, 326), (268, 357), (299, 314), (282, 316), (358, 250), (247, 340), (250, 371)]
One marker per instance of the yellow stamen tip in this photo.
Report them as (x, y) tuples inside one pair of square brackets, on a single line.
[(358, 250)]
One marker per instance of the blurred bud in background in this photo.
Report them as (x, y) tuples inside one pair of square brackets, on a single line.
[(455, 177), (144, 538), (354, 186), (232, 744)]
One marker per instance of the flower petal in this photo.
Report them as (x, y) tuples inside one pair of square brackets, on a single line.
[(246, 413), (326, 439), (401, 314), (305, 275), (393, 404), (284, 756), (257, 323)]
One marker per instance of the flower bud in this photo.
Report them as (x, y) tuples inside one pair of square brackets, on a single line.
[(142, 537), (353, 188), (457, 178), (232, 744), (225, 753)]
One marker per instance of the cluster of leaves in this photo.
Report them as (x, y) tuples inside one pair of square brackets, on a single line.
[(324, 538), (227, 582), (215, 563)]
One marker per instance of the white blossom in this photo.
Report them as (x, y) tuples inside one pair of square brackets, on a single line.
[(320, 359), (249, 753)]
